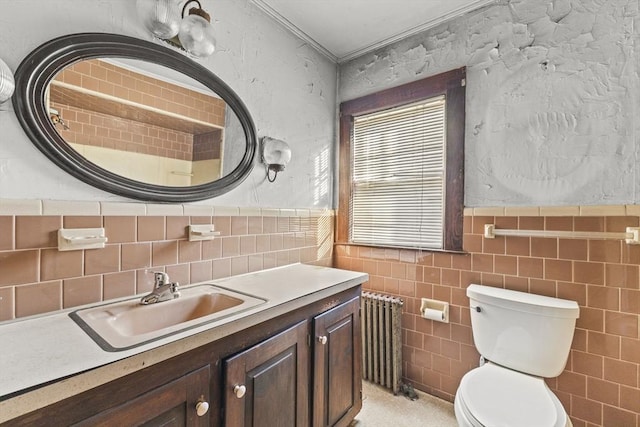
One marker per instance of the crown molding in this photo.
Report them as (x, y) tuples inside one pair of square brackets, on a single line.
[(261, 4)]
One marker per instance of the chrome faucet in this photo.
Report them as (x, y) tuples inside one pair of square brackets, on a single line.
[(163, 290)]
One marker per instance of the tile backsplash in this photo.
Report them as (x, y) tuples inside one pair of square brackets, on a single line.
[(36, 278)]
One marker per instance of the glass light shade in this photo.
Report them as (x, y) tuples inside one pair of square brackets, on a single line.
[(7, 84), (276, 153), (161, 17), (196, 36)]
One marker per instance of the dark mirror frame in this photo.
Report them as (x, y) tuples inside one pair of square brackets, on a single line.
[(40, 67)]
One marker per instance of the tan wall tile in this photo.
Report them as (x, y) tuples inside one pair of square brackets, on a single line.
[(630, 301), (618, 417), (558, 270), (494, 246), (104, 260), (621, 372), (591, 318), (518, 246), (6, 233), (530, 267), (189, 251), (222, 224), (602, 391), (177, 227), (254, 225), (630, 399), (164, 253), (588, 364), (588, 223), (239, 265), (7, 303), (544, 247), (82, 290), (589, 410), (576, 249), (605, 250), (135, 255), (60, 265), (151, 228), (212, 249), (603, 344), (573, 291), (602, 297), (82, 222), (116, 285), (239, 225), (201, 271), (19, 267), (573, 383), (179, 273), (542, 287), (120, 229), (622, 276), (588, 272), (37, 231), (38, 298), (621, 324)]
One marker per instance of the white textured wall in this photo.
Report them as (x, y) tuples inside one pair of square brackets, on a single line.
[(287, 86), (552, 97)]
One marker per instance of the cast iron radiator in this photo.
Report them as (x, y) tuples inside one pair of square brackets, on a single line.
[(381, 339)]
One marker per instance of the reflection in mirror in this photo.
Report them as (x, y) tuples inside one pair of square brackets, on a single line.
[(139, 121), (134, 118)]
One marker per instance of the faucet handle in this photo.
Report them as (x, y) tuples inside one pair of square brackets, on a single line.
[(160, 278), (175, 289)]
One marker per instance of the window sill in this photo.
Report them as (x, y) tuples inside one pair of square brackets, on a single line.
[(403, 248)]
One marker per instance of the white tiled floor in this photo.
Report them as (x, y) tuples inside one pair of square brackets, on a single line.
[(380, 408)]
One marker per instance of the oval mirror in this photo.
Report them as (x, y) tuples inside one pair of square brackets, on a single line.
[(134, 118)]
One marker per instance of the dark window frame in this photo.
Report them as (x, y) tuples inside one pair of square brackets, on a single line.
[(452, 84)]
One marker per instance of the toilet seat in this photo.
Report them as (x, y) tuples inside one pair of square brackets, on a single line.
[(495, 396)]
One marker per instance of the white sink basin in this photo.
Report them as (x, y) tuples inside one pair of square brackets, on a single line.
[(126, 324)]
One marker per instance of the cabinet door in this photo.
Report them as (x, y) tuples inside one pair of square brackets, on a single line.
[(268, 384), (173, 404), (337, 371)]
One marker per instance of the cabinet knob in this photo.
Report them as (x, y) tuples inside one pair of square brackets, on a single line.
[(322, 339), (239, 391), (202, 408)]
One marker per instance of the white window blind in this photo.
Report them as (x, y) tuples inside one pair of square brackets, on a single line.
[(398, 180)]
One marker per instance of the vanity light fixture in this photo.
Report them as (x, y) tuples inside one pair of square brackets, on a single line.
[(193, 33), (7, 84), (276, 154)]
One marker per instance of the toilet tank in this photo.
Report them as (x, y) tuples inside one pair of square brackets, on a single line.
[(525, 332)]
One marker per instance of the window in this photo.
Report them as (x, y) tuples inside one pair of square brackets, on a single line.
[(401, 168)]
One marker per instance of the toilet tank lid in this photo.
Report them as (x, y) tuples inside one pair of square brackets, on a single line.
[(522, 301)]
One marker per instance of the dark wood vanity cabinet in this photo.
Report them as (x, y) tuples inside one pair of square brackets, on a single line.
[(268, 384), (301, 368), (312, 365), (181, 402), (337, 363), (134, 400)]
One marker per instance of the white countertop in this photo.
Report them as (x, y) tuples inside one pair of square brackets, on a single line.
[(44, 349)]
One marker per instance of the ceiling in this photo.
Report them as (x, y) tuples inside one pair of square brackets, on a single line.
[(345, 29)]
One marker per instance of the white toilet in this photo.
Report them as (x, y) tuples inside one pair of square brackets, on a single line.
[(523, 338)]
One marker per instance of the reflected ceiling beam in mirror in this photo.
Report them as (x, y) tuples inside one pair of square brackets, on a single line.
[(107, 104)]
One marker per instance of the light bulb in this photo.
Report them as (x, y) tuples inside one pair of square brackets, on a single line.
[(196, 36), (161, 17), (7, 84)]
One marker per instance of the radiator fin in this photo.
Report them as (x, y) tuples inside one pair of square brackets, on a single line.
[(381, 339)]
